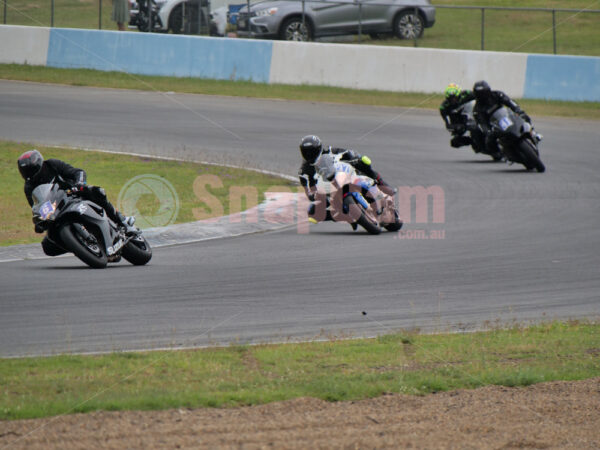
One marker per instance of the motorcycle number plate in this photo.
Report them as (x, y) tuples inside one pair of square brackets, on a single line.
[(504, 123), (47, 209)]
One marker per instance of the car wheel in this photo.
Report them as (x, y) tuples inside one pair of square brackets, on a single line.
[(408, 25), (294, 30), (176, 20)]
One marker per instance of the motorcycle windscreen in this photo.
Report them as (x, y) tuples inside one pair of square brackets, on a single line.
[(325, 167), (42, 193), (501, 119)]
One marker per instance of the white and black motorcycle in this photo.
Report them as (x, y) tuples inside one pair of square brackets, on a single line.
[(345, 196), (82, 227)]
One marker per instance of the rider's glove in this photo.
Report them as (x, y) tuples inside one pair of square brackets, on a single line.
[(39, 227), (78, 187)]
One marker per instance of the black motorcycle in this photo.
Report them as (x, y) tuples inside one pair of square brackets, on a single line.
[(517, 138), (462, 120), (82, 227)]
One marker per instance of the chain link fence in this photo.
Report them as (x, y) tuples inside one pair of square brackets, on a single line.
[(518, 29)]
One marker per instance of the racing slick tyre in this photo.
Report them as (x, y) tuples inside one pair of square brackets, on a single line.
[(364, 220), (530, 155), (89, 251), (396, 225), (137, 251)]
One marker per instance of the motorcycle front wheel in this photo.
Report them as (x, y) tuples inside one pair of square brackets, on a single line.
[(91, 253), (364, 221), (396, 225), (137, 251), (531, 159)]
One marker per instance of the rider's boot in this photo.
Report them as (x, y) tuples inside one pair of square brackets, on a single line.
[(125, 221)]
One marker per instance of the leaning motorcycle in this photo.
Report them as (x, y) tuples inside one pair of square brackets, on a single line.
[(352, 198), (462, 120), (517, 138), (82, 227)]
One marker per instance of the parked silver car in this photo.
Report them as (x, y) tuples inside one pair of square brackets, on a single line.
[(283, 19)]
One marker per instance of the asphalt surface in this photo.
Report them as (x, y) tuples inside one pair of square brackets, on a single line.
[(516, 246)]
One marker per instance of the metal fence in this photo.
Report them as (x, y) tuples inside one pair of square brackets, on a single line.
[(551, 11), (482, 10)]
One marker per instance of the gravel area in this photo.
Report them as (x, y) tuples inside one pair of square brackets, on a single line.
[(546, 415)]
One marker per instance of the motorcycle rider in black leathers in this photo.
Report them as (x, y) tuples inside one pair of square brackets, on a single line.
[(454, 98), (488, 101), (35, 171), (311, 149)]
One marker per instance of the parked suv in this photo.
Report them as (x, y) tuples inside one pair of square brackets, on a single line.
[(281, 19)]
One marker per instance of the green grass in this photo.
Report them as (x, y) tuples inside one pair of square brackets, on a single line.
[(332, 370), (512, 31), (112, 172), (454, 28), (120, 80), (67, 13)]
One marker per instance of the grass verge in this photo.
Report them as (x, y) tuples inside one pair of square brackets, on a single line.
[(332, 370), (112, 171), (511, 30), (121, 80)]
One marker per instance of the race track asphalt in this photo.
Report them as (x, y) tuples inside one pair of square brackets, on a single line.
[(516, 246)]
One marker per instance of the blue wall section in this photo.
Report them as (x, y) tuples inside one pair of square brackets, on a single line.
[(551, 77), (159, 54)]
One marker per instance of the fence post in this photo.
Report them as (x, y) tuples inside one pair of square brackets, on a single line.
[(250, 34), (415, 44), (359, 20), (100, 14), (482, 28), (52, 14), (5, 2), (554, 29), (304, 19)]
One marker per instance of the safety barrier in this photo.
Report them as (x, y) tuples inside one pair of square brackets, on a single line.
[(397, 69)]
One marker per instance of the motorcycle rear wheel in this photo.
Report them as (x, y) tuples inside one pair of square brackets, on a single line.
[(531, 159), (93, 255), (137, 251)]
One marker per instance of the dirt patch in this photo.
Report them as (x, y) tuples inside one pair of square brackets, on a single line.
[(546, 415)]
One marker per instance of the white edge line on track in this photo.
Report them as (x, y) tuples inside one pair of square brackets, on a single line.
[(168, 158)]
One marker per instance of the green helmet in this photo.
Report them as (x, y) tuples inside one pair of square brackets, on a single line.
[(452, 91)]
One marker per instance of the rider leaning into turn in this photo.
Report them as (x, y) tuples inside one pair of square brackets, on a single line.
[(454, 97), (35, 171), (488, 101), (311, 149)]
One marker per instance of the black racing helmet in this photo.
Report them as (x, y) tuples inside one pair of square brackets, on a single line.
[(482, 90), (30, 163), (311, 148)]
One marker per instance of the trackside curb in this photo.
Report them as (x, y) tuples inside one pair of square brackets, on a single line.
[(277, 212)]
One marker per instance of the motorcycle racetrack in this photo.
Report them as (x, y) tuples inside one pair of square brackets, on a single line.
[(498, 244)]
